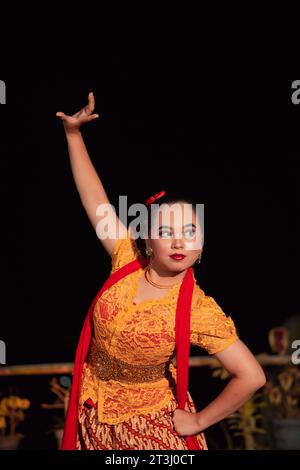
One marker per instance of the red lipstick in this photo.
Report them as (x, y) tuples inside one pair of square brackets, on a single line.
[(177, 256)]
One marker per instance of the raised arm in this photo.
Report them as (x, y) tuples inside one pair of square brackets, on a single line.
[(88, 183)]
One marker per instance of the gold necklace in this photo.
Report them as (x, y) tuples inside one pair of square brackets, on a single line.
[(147, 276)]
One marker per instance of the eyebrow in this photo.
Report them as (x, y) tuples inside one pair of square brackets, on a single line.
[(186, 225)]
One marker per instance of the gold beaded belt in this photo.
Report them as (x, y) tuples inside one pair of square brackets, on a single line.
[(106, 368)]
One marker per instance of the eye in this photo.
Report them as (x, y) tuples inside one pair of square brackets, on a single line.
[(164, 233), (191, 233)]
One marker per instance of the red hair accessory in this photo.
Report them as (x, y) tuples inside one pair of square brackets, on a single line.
[(156, 196)]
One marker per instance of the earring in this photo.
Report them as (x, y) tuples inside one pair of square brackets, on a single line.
[(198, 260), (149, 251)]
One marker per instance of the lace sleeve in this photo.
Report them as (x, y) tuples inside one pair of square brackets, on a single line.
[(211, 329)]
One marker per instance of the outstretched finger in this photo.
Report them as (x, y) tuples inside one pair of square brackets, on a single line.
[(92, 116), (61, 115), (91, 105)]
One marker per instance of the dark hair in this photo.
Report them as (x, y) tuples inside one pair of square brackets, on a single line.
[(169, 198)]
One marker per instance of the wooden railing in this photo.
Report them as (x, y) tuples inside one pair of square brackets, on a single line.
[(67, 367)]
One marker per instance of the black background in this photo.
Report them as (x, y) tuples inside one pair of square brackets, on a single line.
[(230, 142)]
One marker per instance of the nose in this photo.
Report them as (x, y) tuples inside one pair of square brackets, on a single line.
[(177, 243)]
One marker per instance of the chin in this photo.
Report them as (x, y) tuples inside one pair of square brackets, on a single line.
[(178, 269)]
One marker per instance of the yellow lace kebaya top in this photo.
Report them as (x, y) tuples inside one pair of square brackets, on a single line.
[(144, 334)]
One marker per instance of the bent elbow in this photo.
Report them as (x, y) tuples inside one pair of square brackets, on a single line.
[(255, 380), (260, 379)]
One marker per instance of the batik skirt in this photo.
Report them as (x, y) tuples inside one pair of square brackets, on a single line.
[(149, 431)]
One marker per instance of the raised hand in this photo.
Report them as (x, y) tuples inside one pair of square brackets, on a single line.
[(73, 123)]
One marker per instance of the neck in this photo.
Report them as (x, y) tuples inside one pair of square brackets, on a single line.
[(164, 277)]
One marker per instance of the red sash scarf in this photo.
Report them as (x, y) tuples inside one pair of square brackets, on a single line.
[(182, 331)]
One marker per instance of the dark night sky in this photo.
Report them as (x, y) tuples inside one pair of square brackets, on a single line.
[(227, 137)]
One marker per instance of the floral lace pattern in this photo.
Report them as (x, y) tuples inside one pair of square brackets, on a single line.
[(144, 334)]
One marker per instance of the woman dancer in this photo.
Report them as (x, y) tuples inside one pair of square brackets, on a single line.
[(126, 392)]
